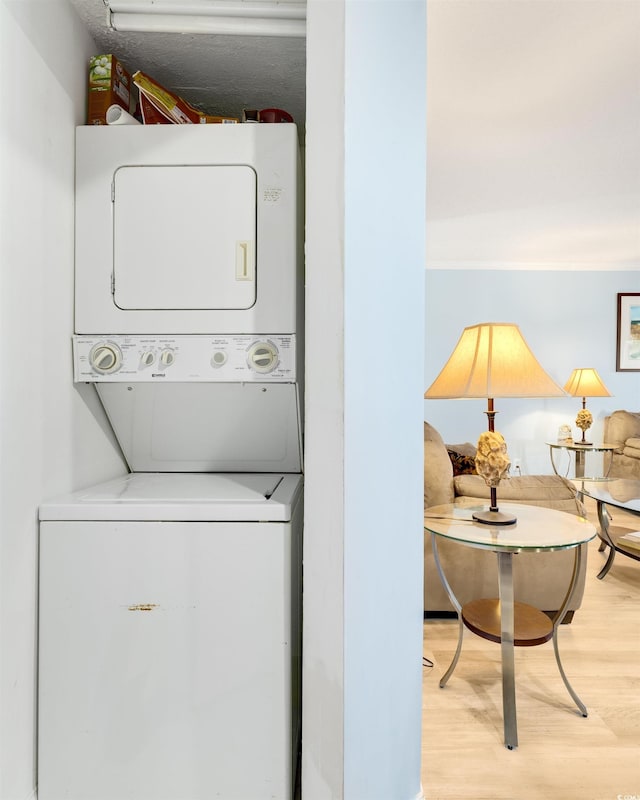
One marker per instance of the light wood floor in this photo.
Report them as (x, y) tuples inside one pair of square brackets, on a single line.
[(561, 755)]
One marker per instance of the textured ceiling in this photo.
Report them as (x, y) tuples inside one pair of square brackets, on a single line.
[(217, 74)]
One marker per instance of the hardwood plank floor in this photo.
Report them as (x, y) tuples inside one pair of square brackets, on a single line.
[(561, 755)]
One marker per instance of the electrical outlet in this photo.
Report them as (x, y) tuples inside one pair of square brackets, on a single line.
[(516, 466)]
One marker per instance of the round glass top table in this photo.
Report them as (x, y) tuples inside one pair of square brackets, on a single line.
[(621, 493), (502, 619), (581, 451)]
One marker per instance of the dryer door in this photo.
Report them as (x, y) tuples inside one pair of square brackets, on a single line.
[(184, 237)]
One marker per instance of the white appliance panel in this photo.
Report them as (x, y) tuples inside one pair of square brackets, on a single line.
[(157, 278), (169, 660), (206, 427), (162, 359), (170, 251)]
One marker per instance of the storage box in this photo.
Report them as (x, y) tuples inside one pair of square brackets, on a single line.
[(160, 106), (109, 83)]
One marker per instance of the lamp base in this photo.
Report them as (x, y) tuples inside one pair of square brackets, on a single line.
[(494, 517)]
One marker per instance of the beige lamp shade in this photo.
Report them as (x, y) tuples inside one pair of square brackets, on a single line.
[(492, 360), (586, 382)]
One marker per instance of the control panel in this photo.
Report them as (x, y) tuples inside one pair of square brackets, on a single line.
[(211, 359)]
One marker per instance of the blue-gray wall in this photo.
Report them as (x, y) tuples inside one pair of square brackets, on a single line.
[(384, 254), (568, 319), (364, 354)]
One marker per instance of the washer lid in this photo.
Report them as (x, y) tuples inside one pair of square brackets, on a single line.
[(189, 497)]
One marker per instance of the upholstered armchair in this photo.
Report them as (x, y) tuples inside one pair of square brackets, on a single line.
[(622, 428)]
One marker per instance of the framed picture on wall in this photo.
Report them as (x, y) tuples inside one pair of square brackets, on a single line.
[(628, 340)]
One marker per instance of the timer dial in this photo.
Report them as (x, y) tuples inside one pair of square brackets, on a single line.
[(263, 357), (106, 358)]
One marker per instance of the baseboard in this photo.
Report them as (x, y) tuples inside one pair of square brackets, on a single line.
[(566, 620), (440, 615)]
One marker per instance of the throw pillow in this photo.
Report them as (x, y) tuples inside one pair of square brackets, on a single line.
[(462, 464)]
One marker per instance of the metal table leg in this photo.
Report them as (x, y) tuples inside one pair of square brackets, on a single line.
[(603, 518), (556, 624), (454, 603), (505, 584)]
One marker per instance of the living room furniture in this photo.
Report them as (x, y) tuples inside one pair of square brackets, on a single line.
[(501, 619), (622, 428), (581, 451), (541, 578), (623, 494)]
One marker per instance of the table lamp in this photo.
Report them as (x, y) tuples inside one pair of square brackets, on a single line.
[(492, 360), (585, 383)]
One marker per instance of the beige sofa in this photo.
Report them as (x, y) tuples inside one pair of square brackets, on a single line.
[(623, 429), (540, 579)]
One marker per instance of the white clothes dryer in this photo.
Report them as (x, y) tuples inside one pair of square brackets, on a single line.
[(188, 229), (170, 639)]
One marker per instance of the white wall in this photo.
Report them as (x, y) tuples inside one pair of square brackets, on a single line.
[(363, 516), (323, 609), (50, 441)]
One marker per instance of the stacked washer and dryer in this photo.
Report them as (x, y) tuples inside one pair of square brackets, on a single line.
[(170, 598)]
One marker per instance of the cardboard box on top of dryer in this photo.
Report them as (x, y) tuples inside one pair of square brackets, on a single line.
[(159, 106), (109, 83)]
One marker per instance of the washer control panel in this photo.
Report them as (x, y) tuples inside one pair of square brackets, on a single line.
[(233, 358)]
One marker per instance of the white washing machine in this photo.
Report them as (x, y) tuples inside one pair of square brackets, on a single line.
[(169, 656), (170, 639)]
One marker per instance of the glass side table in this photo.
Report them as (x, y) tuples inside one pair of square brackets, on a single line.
[(502, 619), (620, 493), (581, 451)]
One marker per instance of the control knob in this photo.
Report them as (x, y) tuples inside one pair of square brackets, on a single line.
[(167, 357), (218, 359), (105, 358), (263, 357)]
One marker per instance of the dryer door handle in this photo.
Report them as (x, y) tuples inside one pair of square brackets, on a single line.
[(244, 261)]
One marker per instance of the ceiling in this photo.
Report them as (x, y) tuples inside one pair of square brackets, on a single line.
[(216, 74), (533, 131)]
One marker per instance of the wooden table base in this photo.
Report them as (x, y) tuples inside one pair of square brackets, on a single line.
[(530, 626)]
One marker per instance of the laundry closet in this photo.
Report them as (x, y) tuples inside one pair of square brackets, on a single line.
[(170, 598), (57, 439)]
